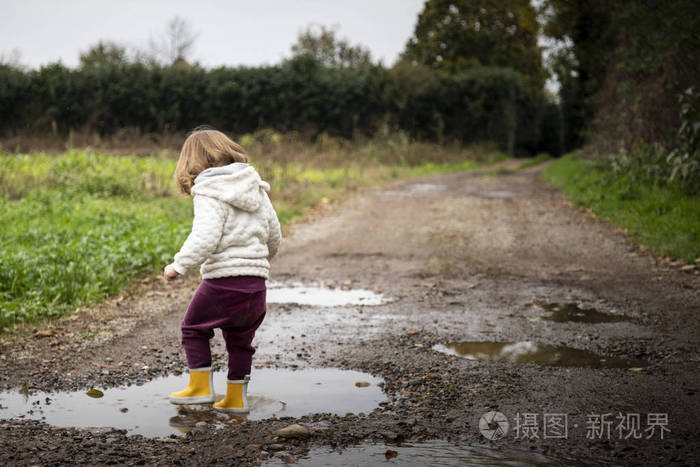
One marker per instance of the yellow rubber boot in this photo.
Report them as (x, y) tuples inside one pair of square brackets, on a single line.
[(236, 400), (199, 391)]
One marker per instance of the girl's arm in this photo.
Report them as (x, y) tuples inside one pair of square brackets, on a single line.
[(207, 227)]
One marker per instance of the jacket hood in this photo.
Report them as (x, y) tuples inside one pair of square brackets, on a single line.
[(237, 184)]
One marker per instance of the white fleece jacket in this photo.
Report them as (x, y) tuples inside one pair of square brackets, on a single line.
[(235, 231)]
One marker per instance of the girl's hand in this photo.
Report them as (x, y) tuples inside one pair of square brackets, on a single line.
[(169, 273)]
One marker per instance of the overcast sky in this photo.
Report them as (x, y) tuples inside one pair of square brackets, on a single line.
[(234, 32)]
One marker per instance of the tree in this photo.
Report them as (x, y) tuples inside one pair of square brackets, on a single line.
[(452, 35), (104, 53), (582, 31), (175, 46), (13, 59), (321, 43), (621, 65)]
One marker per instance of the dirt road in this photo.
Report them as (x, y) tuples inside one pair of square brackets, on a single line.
[(601, 361)]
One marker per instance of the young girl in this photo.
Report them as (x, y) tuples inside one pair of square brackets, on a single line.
[(234, 234)]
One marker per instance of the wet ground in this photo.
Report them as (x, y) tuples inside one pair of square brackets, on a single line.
[(461, 295)]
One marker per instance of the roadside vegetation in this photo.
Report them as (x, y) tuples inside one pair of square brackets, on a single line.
[(652, 191), (79, 226), (659, 214)]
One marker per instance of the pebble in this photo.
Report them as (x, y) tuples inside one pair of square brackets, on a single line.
[(286, 457), (294, 431), (166, 440)]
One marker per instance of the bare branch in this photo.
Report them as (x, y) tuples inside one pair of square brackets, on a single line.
[(176, 43)]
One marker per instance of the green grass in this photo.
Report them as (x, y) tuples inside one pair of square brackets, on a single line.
[(77, 227), (661, 217), (529, 163)]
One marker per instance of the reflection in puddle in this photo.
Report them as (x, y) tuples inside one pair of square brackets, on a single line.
[(571, 312), (321, 296), (498, 194), (490, 191), (423, 188), (415, 189), (272, 392), (530, 352), (433, 453)]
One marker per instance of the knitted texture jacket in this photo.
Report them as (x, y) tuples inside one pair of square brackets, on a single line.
[(235, 231)]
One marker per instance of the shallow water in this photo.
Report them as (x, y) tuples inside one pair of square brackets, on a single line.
[(572, 312), (531, 352), (320, 295), (416, 189), (146, 410), (425, 188), (432, 453)]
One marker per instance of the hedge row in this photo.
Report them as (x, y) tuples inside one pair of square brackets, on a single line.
[(299, 95)]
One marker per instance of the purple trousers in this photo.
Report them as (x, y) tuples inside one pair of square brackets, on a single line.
[(237, 306)]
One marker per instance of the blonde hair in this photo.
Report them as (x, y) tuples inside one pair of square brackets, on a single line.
[(202, 149)]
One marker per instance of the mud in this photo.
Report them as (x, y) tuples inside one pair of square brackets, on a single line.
[(463, 260)]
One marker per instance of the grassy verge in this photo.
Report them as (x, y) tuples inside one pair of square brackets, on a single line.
[(78, 226), (527, 164), (535, 161), (661, 217)]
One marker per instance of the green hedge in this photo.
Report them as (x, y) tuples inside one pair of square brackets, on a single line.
[(298, 95)]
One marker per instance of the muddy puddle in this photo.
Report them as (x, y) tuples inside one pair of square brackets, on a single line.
[(433, 453), (146, 410), (416, 189), (419, 188), (531, 352), (322, 295), (572, 312), (491, 191)]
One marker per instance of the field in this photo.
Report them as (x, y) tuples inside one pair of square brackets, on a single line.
[(79, 226)]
